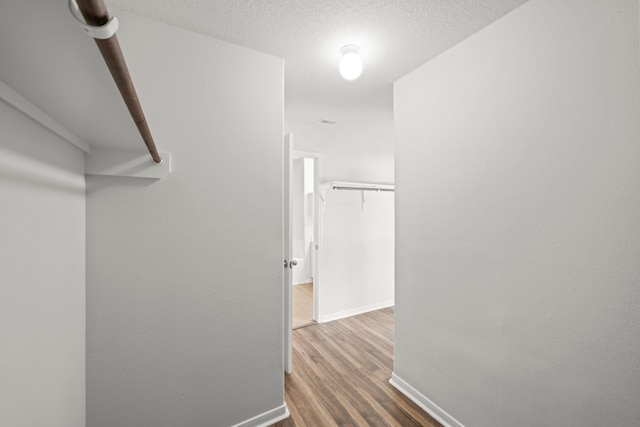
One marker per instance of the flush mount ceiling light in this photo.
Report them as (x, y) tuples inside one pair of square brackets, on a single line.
[(350, 64)]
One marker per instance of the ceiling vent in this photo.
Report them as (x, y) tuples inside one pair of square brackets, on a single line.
[(326, 122)]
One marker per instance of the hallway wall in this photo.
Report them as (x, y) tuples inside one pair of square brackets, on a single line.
[(42, 276), (350, 152), (358, 253), (357, 246), (185, 280), (518, 240)]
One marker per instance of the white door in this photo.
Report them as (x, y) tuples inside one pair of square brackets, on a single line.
[(288, 252)]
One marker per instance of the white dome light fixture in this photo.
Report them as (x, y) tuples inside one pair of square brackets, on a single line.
[(350, 64)]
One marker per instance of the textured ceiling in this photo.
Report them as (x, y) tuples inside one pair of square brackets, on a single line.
[(43, 59), (395, 37)]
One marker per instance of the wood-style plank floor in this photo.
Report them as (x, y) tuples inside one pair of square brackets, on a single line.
[(340, 376), (302, 303)]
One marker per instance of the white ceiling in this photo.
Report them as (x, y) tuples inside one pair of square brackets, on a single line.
[(40, 51), (394, 36)]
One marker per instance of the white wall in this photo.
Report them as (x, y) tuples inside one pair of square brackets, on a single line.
[(298, 221), (309, 195), (302, 194), (360, 278), (185, 291), (518, 240), (42, 281), (358, 253), (349, 152)]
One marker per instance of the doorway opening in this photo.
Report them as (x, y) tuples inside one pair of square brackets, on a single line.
[(304, 237)]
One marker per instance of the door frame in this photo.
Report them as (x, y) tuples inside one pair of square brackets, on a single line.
[(287, 250), (317, 225), (288, 155)]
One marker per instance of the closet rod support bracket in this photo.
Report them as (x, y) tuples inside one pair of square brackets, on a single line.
[(101, 32), (131, 164)]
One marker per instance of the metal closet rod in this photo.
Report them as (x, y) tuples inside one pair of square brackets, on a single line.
[(337, 187), (96, 14)]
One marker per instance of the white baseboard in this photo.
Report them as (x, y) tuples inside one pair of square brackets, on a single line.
[(266, 419), (354, 311), (424, 402), (304, 282)]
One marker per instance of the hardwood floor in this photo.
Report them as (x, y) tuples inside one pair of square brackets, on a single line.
[(340, 376), (302, 305)]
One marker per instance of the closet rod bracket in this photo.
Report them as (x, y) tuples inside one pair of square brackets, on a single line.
[(101, 32)]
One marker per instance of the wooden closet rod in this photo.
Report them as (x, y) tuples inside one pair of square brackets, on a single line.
[(95, 13)]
